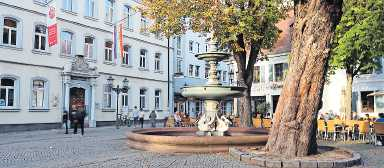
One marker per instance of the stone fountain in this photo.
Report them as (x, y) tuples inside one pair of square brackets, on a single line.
[(213, 133), (212, 122)]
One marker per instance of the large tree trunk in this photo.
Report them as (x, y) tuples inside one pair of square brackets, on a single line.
[(294, 127), (245, 109), (348, 97)]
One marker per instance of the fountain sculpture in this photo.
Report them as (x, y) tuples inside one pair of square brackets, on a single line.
[(212, 122), (213, 133)]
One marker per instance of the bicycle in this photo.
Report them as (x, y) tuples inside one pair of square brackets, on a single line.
[(124, 120)]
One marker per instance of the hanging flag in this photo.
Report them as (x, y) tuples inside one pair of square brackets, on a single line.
[(118, 43), (52, 24), (121, 40)]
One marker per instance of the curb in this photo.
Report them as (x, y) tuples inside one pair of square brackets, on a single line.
[(261, 162)]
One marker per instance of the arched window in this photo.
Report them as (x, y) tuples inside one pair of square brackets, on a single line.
[(126, 54), (39, 96), (143, 103), (143, 55), (66, 43), (108, 51), (89, 46), (10, 31), (7, 92), (157, 99), (40, 41), (157, 61)]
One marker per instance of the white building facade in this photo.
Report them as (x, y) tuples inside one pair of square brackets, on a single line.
[(189, 71), (38, 83)]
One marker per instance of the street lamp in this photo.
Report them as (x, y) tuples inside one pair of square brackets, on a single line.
[(118, 90)]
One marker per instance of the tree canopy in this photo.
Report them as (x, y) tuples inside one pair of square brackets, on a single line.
[(242, 26), (226, 19), (359, 40)]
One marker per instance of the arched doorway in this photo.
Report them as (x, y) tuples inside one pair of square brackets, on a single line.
[(76, 99)]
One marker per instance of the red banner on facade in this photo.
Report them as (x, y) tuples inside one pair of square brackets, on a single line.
[(52, 25), (52, 35)]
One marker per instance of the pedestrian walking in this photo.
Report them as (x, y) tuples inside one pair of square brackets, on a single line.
[(135, 116), (79, 120), (141, 117), (65, 121), (153, 117)]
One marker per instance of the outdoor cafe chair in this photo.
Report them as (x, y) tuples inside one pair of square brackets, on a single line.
[(321, 129), (363, 129)]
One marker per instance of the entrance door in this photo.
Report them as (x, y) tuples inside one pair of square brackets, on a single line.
[(275, 100), (76, 99)]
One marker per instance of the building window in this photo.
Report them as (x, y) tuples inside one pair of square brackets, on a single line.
[(259, 74), (190, 70), (143, 104), (90, 8), (124, 100), (66, 43), (38, 93), (197, 71), (89, 46), (7, 92), (224, 76), (157, 62), (179, 64), (108, 51), (68, 5), (143, 24), (198, 47), (128, 15), (107, 96), (279, 70), (40, 41), (178, 42), (367, 102), (10, 32), (206, 72), (231, 77), (190, 46), (157, 99), (143, 55), (218, 75), (198, 108), (108, 10), (126, 55), (158, 35)]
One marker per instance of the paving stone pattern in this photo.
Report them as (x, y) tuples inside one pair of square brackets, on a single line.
[(99, 148), (105, 148)]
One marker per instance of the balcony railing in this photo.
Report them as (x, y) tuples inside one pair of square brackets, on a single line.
[(268, 86)]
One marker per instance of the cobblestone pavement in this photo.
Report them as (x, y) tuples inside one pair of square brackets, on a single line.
[(98, 148), (372, 156), (105, 147)]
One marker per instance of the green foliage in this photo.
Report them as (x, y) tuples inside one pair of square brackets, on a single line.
[(359, 40), (231, 21), (263, 108)]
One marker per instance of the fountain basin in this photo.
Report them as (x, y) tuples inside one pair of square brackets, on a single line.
[(212, 92), (213, 56), (185, 140)]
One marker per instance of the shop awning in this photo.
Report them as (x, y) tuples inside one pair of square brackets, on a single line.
[(380, 93)]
